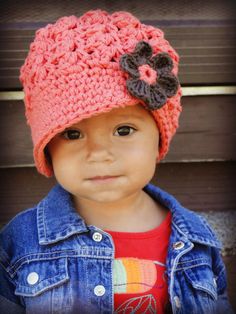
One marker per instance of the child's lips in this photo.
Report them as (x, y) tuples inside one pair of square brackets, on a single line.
[(103, 179)]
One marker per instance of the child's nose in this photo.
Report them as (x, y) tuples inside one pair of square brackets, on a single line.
[(99, 149)]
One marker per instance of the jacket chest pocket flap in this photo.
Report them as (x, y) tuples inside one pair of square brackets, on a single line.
[(37, 276), (202, 278)]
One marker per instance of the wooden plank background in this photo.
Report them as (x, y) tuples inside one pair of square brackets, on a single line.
[(207, 51), (200, 167)]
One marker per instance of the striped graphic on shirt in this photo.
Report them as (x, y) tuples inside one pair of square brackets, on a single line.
[(133, 275)]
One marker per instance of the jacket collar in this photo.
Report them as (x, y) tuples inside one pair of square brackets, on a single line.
[(57, 218), (187, 222)]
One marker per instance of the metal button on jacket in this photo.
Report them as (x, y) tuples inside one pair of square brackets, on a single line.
[(32, 278), (99, 290), (97, 237), (178, 245)]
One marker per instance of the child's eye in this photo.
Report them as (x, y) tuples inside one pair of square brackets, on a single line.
[(124, 130), (72, 134)]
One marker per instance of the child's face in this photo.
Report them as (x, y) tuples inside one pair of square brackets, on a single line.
[(121, 144)]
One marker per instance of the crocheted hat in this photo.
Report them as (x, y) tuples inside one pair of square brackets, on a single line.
[(82, 66)]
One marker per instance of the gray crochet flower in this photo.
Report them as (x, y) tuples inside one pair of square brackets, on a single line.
[(151, 79)]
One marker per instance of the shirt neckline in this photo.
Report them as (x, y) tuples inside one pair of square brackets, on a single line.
[(163, 227)]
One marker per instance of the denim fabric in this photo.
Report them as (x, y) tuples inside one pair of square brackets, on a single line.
[(52, 262)]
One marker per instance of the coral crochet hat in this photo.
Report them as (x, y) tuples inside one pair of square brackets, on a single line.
[(82, 66)]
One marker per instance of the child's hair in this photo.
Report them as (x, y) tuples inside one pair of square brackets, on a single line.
[(80, 67)]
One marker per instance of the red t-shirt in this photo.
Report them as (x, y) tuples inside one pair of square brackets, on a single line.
[(140, 282)]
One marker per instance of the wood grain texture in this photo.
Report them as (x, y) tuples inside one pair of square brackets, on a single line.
[(207, 52), (171, 10), (206, 132)]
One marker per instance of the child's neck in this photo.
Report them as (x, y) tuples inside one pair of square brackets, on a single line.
[(137, 213)]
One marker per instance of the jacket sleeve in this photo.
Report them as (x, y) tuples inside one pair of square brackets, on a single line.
[(9, 302), (223, 304)]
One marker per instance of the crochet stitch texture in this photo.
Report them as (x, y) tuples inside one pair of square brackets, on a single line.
[(72, 72)]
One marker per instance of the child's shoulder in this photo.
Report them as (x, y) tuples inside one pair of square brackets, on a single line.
[(20, 234), (197, 228), (24, 220), (19, 230), (18, 237), (187, 222)]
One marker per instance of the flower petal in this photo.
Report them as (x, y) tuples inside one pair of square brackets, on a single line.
[(129, 64), (166, 83), (157, 97), (143, 49), (169, 83), (162, 62), (138, 88)]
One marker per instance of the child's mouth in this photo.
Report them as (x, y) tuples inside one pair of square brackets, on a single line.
[(103, 179)]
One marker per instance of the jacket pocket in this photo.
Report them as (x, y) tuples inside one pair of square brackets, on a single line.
[(35, 277), (202, 278)]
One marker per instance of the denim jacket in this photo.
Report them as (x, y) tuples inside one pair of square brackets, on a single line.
[(52, 262)]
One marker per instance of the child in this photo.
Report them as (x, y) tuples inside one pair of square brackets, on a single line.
[(103, 101)]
